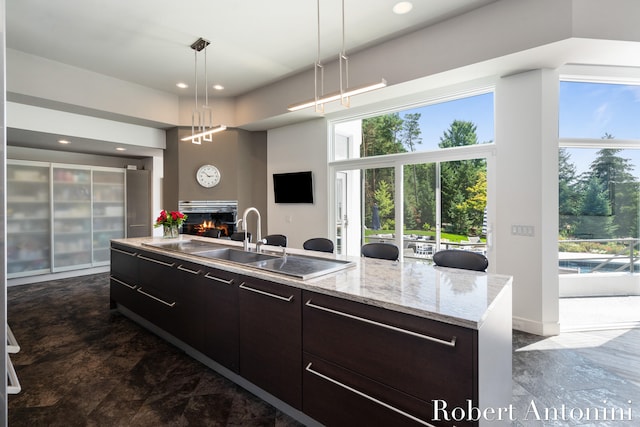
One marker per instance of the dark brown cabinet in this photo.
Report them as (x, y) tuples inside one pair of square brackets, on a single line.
[(172, 296), (340, 362), (220, 317), (271, 338), (391, 365), (124, 276)]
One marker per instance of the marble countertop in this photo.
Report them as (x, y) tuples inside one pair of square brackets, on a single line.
[(453, 296)]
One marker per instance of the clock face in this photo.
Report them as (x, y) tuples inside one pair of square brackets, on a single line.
[(208, 176)]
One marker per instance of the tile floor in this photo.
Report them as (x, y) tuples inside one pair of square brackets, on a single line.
[(82, 365)]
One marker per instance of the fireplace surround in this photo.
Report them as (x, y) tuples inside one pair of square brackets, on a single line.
[(209, 217)]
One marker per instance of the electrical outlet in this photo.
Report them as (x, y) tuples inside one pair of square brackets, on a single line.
[(523, 230)]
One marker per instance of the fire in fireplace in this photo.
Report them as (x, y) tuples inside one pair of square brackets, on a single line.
[(209, 217)]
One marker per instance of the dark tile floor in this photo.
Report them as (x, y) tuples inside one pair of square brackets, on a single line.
[(82, 365)]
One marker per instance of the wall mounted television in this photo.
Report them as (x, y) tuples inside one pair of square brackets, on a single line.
[(293, 187)]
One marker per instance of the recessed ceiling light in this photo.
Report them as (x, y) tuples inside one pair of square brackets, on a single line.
[(121, 149), (402, 7), (182, 85), (218, 87), (63, 141)]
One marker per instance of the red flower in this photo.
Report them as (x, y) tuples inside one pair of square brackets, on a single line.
[(170, 218)]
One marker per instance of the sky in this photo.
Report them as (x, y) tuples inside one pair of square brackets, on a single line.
[(586, 110)]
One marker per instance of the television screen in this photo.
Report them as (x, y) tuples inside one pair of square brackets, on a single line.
[(294, 187)]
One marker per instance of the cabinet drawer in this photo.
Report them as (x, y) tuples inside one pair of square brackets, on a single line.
[(220, 318), (123, 292), (337, 397), (124, 262), (157, 275), (426, 359)]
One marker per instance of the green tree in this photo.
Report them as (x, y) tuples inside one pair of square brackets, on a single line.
[(380, 135), (595, 216), (384, 198), (410, 137), (615, 173), (568, 193), (457, 177)]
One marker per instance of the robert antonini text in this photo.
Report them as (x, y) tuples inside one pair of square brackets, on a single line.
[(534, 411)]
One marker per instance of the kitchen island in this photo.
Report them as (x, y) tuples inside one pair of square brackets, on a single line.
[(375, 342)]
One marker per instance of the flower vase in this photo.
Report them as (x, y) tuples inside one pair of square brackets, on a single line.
[(170, 231)]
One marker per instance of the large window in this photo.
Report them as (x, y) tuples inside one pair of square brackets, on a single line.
[(423, 128), (416, 177), (599, 182)]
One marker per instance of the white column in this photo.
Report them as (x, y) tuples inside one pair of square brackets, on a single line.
[(526, 224)]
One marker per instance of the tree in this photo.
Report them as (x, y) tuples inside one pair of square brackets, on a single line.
[(595, 215), (457, 177), (379, 136), (620, 185), (384, 198), (460, 133), (570, 199), (410, 137)]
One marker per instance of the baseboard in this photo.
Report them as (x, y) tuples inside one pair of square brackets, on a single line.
[(56, 276), (536, 327)]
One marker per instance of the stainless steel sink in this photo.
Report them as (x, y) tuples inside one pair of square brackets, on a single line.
[(300, 266), (235, 255), (186, 246)]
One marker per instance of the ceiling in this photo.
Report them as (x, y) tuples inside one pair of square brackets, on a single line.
[(253, 42)]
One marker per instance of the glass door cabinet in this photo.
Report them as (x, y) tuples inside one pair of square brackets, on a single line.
[(61, 217), (71, 217), (28, 219), (108, 211)]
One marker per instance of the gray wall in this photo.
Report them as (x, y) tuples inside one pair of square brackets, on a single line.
[(241, 157)]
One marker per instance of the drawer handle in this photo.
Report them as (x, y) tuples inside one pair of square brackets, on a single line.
[(122, 283), (156, 298), (157, 261), (451, 343), (180, 267), (366, 396), (258, 291), (124, 252), (226, 282)]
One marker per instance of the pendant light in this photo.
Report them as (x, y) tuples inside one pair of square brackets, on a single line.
[(345, 93), (202, 127)]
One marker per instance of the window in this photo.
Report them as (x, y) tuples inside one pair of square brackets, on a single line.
[(409, 176)]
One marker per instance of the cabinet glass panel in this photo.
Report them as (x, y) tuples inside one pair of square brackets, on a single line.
[(71, 218), (28, 220), (108, 212)]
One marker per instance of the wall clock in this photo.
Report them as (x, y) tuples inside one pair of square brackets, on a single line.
[(208, 176)]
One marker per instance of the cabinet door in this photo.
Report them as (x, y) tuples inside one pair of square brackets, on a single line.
[(108, 212), (124, 277), (138, 203), (423, 358), (221, 317), (71, 218), (187, 291), (28, 219), (338, 397), (171, 293), (270, 338)]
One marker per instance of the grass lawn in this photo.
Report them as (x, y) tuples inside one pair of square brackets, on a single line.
[(449, 236)]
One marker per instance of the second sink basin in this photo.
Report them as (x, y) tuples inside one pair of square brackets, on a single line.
[(235, 255)]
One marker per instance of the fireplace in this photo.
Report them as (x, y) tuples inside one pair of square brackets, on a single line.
[(209, 217)]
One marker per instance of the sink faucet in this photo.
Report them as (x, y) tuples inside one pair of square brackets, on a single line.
[(258, 229)]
